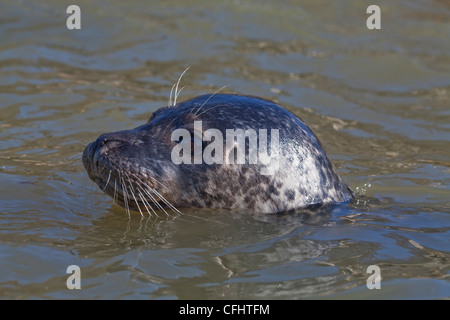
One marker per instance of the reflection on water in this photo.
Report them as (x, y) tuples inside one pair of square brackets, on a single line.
[(378, 100)]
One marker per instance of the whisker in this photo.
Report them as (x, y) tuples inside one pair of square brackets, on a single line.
[(132, 193), (176, 97), (158, 194), (155, 201), (209, 109), (109, 177), (176, 88), (125, 198), (115, 191), (135, 200), (196, 112), (170, 97), (101, 170), (166, 201), (144, 202), (152, 178), (143, 199)]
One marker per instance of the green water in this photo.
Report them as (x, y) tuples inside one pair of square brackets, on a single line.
[(377, 99)]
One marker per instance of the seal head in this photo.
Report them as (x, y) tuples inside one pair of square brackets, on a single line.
[(216, 151)]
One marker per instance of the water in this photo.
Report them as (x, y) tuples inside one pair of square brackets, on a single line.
[(378, 100)]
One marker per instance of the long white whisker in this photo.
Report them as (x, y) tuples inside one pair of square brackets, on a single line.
[(176, 88), (166, 201), (176, 97), (134, 197), (159, 195), (155, 201), (132, 193), (144, 202), (125, 198), (143, 199), (170, 97), (204, 111), (109, 177), (196, 112)]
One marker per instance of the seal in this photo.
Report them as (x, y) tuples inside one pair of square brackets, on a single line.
[(166, 163)]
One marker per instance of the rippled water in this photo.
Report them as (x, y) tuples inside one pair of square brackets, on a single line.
[(378, 100)]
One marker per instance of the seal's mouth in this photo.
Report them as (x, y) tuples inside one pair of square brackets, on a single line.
[(127, 184)]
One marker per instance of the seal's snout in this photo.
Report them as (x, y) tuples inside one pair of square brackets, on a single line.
[(106, 145), (109, 141), (95, 151)]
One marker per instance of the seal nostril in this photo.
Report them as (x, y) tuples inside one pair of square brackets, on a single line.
[(102, 147), (107, 142), (112, 144), (115, 140)]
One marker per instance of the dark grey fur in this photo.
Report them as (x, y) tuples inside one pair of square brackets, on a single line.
[(139, 161)]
